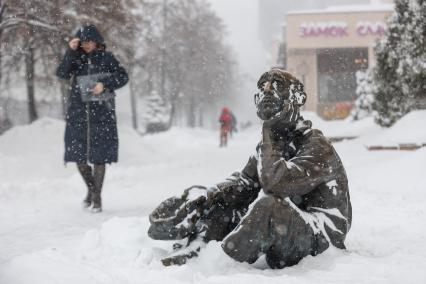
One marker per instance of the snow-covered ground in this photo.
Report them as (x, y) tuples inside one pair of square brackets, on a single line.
[(45, 236)]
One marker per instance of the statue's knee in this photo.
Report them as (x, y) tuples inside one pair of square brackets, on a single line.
[(272, 204), (266, 202), (240, 250)]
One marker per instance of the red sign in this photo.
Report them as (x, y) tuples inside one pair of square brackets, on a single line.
[(340, 29), (329, 29), (369, 28)]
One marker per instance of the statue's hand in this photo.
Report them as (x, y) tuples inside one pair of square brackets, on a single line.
[(212, 193), (287, 116)]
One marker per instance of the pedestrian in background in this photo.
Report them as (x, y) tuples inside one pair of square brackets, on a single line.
[(225, 121), (91, 138)]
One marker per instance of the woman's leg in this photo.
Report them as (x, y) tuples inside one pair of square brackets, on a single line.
[(98, 178), (86, 172)]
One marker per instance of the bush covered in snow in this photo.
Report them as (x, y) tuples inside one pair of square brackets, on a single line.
[(157, 115), (365, 87)]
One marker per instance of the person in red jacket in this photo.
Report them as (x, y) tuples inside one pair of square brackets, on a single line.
[(225, 120)]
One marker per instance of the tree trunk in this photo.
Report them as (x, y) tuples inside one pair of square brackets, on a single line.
[(200, 117), (163, 53), (173, 100), (191, 113), (133, 103), (2, 9), (0, 57), (29, 77), (65, 86), (60, 40)]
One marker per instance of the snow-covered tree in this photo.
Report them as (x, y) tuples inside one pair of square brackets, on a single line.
[(416, 60), (365, 98), (2, 9), (400, 73), (156, 116), (35, 34), (27, 37), (186, 60)]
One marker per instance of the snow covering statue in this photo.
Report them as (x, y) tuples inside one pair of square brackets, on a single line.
[(290, 200)]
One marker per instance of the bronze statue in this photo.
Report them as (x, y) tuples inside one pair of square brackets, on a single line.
[(290, 200)]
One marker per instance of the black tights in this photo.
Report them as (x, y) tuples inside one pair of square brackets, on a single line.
[(94, 178)]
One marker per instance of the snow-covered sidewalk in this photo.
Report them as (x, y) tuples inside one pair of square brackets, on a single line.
[(45, 237)]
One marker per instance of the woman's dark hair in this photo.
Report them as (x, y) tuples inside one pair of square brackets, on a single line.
[(100, 46)]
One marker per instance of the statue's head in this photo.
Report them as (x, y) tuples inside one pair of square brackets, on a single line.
[(276, 87)]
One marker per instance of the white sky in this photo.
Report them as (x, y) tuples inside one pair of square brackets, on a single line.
[(241, 19)]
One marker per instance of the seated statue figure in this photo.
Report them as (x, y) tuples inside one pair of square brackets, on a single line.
[(291, 200)]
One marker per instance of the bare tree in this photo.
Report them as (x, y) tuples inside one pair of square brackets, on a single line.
[(197, 69), (2, 9), (37, 32), (24, 26)]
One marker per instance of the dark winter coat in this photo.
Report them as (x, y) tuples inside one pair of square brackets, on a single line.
[(91, 128)]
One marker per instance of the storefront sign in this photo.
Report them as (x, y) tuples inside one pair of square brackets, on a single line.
[(340, 29), (370, 28), (330, 29)]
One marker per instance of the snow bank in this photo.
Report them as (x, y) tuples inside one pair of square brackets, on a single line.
[(410, 129), (31, 151), (46, 238), (342, 128)]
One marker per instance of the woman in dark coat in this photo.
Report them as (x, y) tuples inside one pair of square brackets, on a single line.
[(91, 127)]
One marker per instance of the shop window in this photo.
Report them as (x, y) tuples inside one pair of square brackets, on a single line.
[(336, 73)]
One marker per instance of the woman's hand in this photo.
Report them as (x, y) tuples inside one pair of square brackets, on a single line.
[(74, 43), (99, 88)]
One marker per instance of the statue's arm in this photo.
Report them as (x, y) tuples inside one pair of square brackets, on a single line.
[(314, 163), (240, 186)]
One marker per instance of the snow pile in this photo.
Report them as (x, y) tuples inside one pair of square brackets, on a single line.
[(30, 151), (409, 129), (46, 238), (342, 128)]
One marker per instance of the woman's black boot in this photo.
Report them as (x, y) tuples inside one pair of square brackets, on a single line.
[(98, 178), (86, 172)]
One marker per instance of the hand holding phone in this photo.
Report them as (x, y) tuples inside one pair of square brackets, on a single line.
[(74, 43), (99, 88)]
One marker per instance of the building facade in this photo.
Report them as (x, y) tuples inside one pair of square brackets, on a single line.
[(325, 48), (271, 14)]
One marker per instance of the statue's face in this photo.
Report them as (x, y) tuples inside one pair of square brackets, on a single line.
[(273, 90)]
